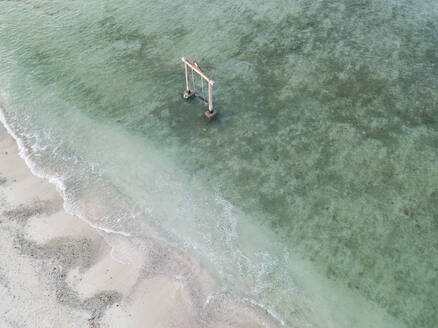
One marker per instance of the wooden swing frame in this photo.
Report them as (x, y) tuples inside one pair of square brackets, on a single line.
[(189, 92)]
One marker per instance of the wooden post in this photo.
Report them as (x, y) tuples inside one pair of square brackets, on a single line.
[(210, 99), (210, 113), (187, 78)]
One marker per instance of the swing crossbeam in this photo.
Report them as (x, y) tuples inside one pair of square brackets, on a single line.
[(189, 93)]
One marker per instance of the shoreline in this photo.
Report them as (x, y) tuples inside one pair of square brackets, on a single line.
[(56, 268)]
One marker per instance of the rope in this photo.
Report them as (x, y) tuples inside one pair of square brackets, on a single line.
[(193, 81)]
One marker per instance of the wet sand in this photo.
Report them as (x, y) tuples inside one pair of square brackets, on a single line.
[(58, 271)]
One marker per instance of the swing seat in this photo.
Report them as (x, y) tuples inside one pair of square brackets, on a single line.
[(209, 114), (202, 98)]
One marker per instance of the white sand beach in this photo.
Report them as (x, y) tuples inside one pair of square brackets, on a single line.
[(58, 271)]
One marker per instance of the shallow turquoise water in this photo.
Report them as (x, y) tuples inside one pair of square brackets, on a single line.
[(314, 192)]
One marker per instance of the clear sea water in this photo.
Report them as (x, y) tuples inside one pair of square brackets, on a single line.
[(315, 192)]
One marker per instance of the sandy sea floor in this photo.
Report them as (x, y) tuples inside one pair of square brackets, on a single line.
[(313, 194), (58, 271)]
